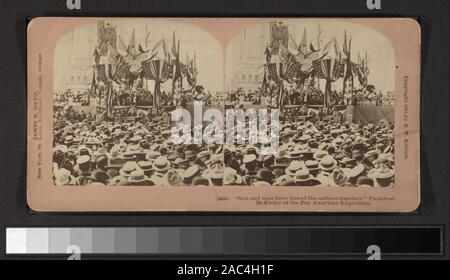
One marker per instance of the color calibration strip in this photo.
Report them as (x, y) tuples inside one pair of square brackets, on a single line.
[(225, 240)]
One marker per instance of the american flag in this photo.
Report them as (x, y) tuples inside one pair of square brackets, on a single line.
[(318, 73), (167, 71), (329, 69), (291, 70), (264, 84), (338, 71), (348, 77), (109, 101), (121, 72), (101, 73), (150, 68), (273, 73), (158, 70), (281, 98), (192, 80)]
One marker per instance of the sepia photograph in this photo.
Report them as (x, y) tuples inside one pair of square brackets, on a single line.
[(116, 84), (333, 84), (224, 114)]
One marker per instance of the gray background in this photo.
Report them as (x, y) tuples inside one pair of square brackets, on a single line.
[(432, 15)]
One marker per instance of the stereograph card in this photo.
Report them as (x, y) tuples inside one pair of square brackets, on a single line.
[(223, 114)]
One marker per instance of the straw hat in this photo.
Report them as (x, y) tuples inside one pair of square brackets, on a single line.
[(357, 171), (302, 175), (295, 155), (200, 181), (293, 168), (83, 159), (328, 163), (249, 158), (261, 184), (382, 172), (146, 165), (63, 177), (216, 173), (69, 140), (203, 154), (192, 171), (161, 164), (339, 179), (312, 165), (230, 177), (281, 162), (138, 176), (128, 168), (173, 178)]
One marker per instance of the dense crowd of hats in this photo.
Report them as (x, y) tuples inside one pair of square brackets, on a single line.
[(138, 151), (133, 153), (325, 153)]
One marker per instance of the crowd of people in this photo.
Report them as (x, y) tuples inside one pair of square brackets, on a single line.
[(134, 148), (139, 152), (242, 97), (309, 95), (123, 96), (324, 153), (69, 97)]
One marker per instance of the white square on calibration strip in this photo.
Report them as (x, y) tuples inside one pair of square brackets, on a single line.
[(16, 241)]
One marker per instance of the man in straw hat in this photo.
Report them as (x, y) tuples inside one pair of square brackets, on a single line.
[(304, 179), (383, 176)]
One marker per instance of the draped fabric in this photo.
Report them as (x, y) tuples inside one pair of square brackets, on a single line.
[(284, 54), (264, 86), (330, 70), (290, 70), (177, 71), (186, 70), (102, 74), (348, 79), (121, 72), (359, 71), (280, 88), (191, 79), (167, 71), (159, 71), (109, 101), (273, 72)]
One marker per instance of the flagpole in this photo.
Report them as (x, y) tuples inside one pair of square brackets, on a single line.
[(146, 49), (176, 65), (319, 32)]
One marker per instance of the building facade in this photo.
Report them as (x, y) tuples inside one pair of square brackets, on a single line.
[(249, 69)]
